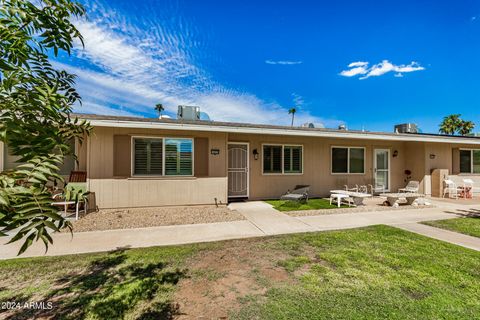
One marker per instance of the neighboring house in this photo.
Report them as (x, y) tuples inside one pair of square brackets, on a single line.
[(135, 162)]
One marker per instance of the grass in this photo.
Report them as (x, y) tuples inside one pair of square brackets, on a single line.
[(468, 225), (377, 272), (130, 284), (311, 204)]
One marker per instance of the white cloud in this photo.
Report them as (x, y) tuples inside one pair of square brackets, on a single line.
[(128, 70), (353, 72), (283, 62), (379, 69), (357, 64), (298, 100), (91, 107)]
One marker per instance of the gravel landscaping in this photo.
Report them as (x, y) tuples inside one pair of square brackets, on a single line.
[(108, 219), (371, 205)]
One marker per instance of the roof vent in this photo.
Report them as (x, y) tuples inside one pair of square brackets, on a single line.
[(406, 128), (188, 113)]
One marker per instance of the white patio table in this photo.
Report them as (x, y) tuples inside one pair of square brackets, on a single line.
[(357, 197)]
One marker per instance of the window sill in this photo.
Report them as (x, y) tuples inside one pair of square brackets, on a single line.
[(347, 174), (282, 174), (162, 178)]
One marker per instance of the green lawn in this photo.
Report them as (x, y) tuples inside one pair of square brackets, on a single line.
[(121, 284), (377, 272), (470, 226), (311, 204)]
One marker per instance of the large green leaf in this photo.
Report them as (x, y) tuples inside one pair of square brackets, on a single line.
[(35, 122)]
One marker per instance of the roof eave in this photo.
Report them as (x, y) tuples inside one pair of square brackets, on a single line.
[(275, 131)]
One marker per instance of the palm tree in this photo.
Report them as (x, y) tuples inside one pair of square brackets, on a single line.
[(159, 107), (466, 127), (292, 112), (450, 124)]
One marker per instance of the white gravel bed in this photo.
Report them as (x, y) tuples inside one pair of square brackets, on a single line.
[(371, 205), (108, 219)]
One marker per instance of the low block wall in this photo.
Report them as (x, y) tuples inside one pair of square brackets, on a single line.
[(130, 193)]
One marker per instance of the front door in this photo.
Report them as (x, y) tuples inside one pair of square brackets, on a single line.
[(237, 170), (381, 169)]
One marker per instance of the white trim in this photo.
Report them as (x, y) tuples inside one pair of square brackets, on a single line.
[(163, 138), (281, 131), (283, 173), (248, 168), (348, 160), (375, 166)]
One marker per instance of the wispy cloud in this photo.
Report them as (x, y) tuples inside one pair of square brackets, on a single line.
[(298, 100), (379, 69), (126, 70), (283, 62)]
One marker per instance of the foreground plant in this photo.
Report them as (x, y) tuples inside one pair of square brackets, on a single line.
[(35, 105)]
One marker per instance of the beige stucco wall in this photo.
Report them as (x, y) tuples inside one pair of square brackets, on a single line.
[(423, 158), (122, 193), (97, 156), (133, 191), (317, 165)]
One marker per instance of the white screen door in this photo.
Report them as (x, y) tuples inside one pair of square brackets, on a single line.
[(237, 170), (382, 169)]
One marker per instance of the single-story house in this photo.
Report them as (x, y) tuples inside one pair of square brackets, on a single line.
[(136, 162)]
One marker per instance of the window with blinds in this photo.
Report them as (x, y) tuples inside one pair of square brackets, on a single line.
[(292, 159), (178, 157), (272, 159), (148, 156), (170, 157), (282, 159)]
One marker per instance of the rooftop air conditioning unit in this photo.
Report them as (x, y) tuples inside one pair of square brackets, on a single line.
[(406, 128), (188, 113)]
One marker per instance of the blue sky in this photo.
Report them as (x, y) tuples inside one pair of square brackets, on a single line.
[(367, 64)]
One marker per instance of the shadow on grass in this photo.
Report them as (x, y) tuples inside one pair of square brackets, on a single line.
[(468, 213), (109, 288)]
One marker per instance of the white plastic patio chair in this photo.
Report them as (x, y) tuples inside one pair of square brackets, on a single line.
[(376, 189), (411, 187), (451, 188), (354, 189)]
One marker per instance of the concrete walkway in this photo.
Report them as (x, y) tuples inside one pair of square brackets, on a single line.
[(444, 235), (269, 220), (100, 241), (263, 220)]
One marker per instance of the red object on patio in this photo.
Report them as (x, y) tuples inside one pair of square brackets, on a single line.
[(466, 193)]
